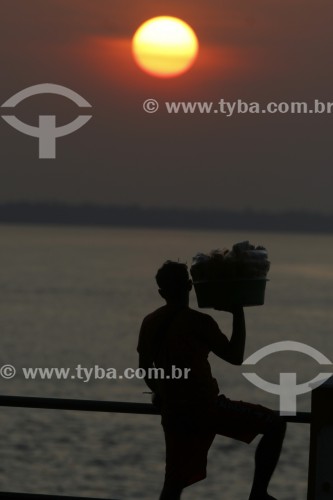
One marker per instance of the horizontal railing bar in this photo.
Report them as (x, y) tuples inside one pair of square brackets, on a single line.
[(78, 405), (37, 496), (106, 406), (301, 417)]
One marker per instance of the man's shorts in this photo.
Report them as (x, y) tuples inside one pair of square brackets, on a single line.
[(188, 438)]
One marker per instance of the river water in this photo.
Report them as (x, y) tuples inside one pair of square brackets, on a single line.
[(74, 296)]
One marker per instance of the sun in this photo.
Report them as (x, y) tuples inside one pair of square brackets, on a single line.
[(165, 46)]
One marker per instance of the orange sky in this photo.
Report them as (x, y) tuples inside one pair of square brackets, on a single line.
[(264, 51)]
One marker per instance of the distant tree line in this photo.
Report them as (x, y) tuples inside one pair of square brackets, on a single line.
[(138, 216)]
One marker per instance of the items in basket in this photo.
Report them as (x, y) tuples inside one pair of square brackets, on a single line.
[(227, 278)]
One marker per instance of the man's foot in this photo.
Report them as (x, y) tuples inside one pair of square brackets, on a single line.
[(262, 497)]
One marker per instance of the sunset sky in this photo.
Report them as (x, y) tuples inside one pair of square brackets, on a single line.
[(258, 50)]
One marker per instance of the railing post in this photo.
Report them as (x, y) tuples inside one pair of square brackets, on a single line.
[(320, 476)]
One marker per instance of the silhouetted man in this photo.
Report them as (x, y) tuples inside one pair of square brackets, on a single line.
[(177, 337)]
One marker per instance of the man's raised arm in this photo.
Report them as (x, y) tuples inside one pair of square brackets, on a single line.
[(230, 350)]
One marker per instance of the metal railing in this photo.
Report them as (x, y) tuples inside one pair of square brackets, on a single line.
[(94, 406)]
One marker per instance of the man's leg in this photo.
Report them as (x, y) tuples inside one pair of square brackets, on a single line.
[(186, 457), (170, 492), (266, 458), (174, 450)]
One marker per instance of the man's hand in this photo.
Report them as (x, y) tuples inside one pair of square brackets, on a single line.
[(231, 308), (146, 363)]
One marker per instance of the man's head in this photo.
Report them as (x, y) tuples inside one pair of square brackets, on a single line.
[(174, 282)]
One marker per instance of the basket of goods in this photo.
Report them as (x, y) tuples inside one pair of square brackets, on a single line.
[(226, 278)]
